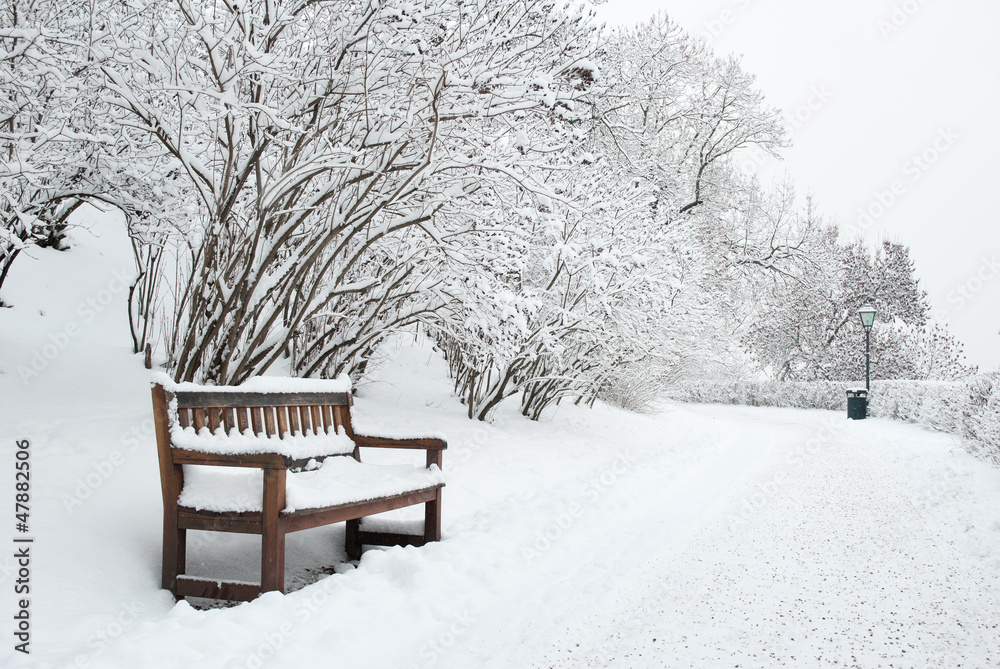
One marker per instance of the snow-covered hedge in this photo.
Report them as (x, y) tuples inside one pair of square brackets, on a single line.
[(793, 394), (969, 408)]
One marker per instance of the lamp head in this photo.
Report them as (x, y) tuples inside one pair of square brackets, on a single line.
[(867, 317)]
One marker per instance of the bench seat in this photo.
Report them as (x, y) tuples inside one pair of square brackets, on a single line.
[(335, 482)]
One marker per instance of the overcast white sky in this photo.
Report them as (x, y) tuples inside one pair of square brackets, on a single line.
[(904, 95)]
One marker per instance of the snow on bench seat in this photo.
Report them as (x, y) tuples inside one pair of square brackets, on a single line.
[(337, 481)]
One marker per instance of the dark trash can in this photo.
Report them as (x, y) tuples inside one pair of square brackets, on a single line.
[(857, 404)]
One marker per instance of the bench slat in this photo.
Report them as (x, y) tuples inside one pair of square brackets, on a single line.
[(256, 420), (192, 520), (187, 399), (282, 417), (242, 422), (199, 419), (270, 429), (390, 539), (341, 418), (228, 419), (213, 419), (195, 587), (316, 419)]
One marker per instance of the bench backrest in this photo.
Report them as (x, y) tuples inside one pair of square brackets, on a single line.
[(265, 413), (262, 413)]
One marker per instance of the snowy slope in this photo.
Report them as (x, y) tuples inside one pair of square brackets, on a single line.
[(699, 536)]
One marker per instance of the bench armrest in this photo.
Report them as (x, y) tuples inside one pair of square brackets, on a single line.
[(435, 447), (258, 460), (422, 443)]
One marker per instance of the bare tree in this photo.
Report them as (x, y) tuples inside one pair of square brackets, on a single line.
[(312, 135)]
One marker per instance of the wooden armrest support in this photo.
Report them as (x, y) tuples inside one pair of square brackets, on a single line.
[(423, 443)]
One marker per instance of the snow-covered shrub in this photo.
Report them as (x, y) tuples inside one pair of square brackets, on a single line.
[(332, 153), (981, 416), (969, 408), (60, 148), (633, 394), (933, 404)]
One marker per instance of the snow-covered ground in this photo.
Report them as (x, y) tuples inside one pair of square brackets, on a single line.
[(701, 536)]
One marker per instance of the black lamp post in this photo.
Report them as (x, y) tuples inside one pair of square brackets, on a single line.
[(867, 320)]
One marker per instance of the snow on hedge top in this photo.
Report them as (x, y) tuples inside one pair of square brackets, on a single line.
[(293, 446), (262, 384)]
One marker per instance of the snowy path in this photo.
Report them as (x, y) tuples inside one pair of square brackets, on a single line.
[(835, 561), (802, 541)]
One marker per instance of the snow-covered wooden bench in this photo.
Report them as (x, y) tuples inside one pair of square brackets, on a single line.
[(273, 457)]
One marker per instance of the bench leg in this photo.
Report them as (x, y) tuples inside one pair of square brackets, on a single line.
[(272, 559), (432, 519), (272, 540), (351, 543), (174, 552)]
